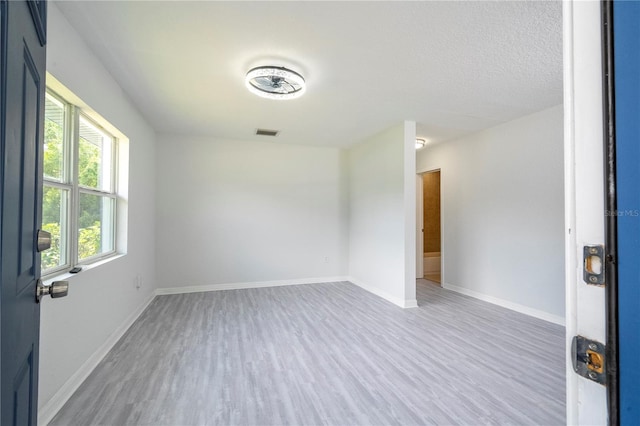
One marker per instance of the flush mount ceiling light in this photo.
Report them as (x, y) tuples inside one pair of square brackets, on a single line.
[(275, 82), (420, 143)]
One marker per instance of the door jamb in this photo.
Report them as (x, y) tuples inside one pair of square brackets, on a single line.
[(611, 220), (419, 226), (420, 196)]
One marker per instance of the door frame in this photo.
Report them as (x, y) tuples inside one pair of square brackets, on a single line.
[(420, 224), (584, 158), (620, 70), (611, 220), (3, 94), (419, 227)]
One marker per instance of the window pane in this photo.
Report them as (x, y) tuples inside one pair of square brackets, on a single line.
[(53, 138), (94, 157), (54, 220), (95, 225)]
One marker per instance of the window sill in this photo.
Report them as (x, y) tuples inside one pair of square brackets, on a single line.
[(66, 275)]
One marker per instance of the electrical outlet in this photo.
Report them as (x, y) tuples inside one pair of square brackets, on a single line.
[(326, 259)]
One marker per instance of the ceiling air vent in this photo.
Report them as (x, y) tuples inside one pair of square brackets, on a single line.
[(266, 132)]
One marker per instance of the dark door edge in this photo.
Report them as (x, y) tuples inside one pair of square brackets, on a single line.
[(610, 216)]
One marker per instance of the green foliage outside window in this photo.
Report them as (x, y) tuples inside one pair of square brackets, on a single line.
[(51, 257), (89, 240), (90, 211), (51, 197)]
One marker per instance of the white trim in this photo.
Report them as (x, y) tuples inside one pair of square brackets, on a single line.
[(584, 200), (240, 286), (570, 244), (507, 304), (51, 408), (408, 303), (73, 113), (65, 274), (443, 217), (419, 225)]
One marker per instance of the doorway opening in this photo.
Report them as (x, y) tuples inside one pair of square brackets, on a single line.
[(431, 227)]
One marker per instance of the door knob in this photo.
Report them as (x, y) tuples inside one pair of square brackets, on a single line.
[(44, 240), (55, 290)]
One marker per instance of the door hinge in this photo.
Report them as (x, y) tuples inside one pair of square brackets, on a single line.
[(588, 357), (593, 272)]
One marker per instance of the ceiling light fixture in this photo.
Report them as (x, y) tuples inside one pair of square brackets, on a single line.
[(275, 82), (420, 143)]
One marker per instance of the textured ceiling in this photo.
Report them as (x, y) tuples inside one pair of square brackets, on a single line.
[(453, 67)]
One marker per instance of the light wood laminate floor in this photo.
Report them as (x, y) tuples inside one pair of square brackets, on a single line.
[(329, 354)]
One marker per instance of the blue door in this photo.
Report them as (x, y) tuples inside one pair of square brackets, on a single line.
[(22, 83), (626, 39)]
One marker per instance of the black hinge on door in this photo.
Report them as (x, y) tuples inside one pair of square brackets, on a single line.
[(588, 357)]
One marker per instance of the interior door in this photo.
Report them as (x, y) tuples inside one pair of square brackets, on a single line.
[(23, 86), (626, 87)]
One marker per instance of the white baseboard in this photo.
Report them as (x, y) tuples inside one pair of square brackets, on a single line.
[(409, 303), (507, 304), (51, 408), (255, 284)]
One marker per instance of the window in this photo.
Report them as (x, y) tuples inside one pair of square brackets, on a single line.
[(79, 194)]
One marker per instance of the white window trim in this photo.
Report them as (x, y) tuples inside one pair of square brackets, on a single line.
[(70, 183)]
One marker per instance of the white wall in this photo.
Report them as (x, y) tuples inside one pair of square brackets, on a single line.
[(240, 212), (382, 208), (102, 300), (503, 213)]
